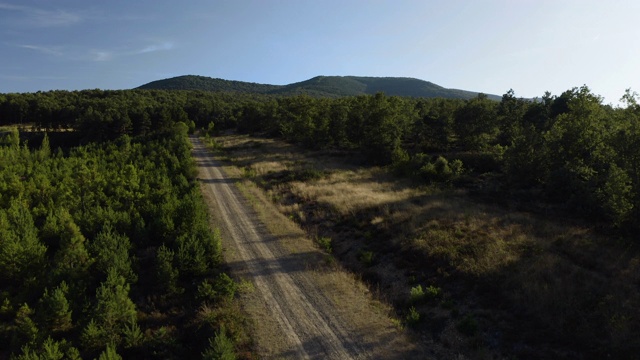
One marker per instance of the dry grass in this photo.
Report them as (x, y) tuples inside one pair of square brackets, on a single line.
[(351, 192), (563, 281)]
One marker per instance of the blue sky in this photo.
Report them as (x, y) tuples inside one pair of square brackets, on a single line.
[(480, 45)]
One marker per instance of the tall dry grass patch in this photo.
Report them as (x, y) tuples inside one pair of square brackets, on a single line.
[(351, 192)]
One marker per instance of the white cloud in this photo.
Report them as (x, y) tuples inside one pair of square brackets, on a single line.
[(99, 55), (156, 47), (75, 53), (43, 18), (55, 51)]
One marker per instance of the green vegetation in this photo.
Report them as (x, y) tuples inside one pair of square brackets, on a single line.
[(325, 243), (102, 245), (193, 82), (319, 86), (220, 347), (418, 294), (413, 316)]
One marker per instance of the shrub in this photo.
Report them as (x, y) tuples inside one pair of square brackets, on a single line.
[(210, 129), (400, 161), (132, 335), (225, 287), (205, 291), (220, 347), (110, 353), (93, 336), (367, 258), (419, 294), (442, 170), (416, 294), (433, 292), (222, 289), (413, 316), (325, 243), (192, 256)]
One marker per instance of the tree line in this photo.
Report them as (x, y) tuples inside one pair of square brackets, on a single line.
[(105, 115)]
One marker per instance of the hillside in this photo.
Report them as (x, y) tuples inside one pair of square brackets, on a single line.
[(319, 86), (193, 82)]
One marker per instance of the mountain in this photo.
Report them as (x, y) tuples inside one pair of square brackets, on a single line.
[(193, 82), (319, 86)]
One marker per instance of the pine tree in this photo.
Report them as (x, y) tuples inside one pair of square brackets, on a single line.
[(110, 353), (71, 260), (111, 252), (114, 309), (55, 310), (26, 332), (22, 256), (166, 273), (220, 347)]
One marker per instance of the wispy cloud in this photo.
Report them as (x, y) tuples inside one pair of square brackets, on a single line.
[(75, 53), (42, 17), (71, 53), (156, 47), (131, 17), (101, 55), (55, 51)]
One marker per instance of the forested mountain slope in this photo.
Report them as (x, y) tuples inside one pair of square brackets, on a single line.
[(319, 86), (193, 82)]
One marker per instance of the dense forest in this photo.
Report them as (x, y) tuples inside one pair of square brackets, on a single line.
[(106, 248), (104, 236)]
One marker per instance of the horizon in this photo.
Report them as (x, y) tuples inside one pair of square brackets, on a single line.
[(487, 47)]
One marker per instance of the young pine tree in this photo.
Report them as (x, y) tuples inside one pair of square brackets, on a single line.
[(220, 347), (111, 252), (114, 310), (54, 309), (166, 273), (25, 330)]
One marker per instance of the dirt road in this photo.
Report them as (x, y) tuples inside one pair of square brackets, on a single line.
[(303, 315)]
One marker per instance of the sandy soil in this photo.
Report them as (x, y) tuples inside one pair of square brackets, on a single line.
[(301, 308)]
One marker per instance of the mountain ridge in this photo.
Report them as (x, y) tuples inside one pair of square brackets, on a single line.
[(319, 86)]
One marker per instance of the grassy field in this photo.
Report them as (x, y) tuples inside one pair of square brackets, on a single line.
[(489, 281)]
